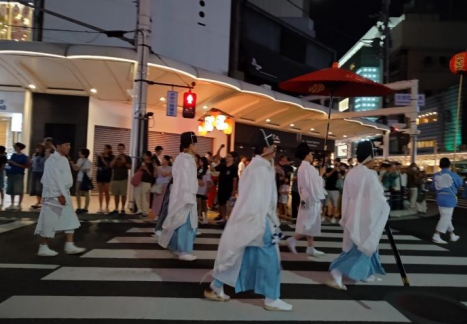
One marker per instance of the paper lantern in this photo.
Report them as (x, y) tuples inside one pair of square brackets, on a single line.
[(458, 64), (209, 122), (201, 129), (229, 128), (220, 122)]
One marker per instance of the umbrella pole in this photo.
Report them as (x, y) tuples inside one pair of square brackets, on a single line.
[(331, 99), (397, 256)]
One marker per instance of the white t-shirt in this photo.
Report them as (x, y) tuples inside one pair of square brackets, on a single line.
[(241, 168), (204, 189), (85, 167)]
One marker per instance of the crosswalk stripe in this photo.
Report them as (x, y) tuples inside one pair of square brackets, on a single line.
[(318, 244), (196, 275), (14, 225), (27, 266), (287, 233), (285, 256), (193, 309)]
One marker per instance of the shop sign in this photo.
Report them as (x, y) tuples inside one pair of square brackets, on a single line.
[(405, 99), (172, 100)]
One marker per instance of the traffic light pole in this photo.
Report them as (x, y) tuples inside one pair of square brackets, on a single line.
[(138, 129)]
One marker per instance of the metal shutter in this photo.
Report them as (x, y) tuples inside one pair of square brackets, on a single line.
[(171, 143)]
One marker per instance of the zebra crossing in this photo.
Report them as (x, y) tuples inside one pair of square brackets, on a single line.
[(130, 278)]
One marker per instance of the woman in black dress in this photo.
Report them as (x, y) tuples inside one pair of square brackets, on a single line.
[(228, 181), (104, 177)]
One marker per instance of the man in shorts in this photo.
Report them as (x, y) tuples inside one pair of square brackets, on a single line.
[(119, 187)]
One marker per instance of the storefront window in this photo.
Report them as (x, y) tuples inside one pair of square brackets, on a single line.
[(15, 21)]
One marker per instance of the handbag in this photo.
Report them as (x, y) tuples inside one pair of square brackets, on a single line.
[(86, 183), (137, 179), (156, 188)]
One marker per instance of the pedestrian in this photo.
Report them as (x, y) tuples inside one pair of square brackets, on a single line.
[(295, 195), (142, 191), (284, 190), (421, 199), (163, 177), (228, 181), (104, 177), (241, 166), (3, 162), (57, 213), (248, 256), (412, 185), (157, 158), (332, 200), (204, 174), (310, 187), (179, 229), (37, 168), (84, 169), (49, 147), (365, 212), (18, 163), (446, 184), (120, 165)]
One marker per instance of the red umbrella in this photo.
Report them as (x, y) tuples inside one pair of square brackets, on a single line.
[(334, 82)]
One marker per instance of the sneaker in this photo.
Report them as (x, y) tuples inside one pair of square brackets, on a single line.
[(114, 212), (323, 219), (333, 220), (221, 221), (291, 243), (186, 257), (122, 212), (100, 211), (85, 211), (314, 252), (217, 218), (437, 239), (11, 208), (106, 211), (71, 248), (277, 305), (144, 215), (45, 251), (454, 237), (205, 221), (1, 207), (372, 278)]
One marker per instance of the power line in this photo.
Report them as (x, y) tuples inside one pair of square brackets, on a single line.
[(59, 30)]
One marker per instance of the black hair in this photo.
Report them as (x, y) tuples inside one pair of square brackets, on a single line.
[(2, 149), (259, 149), (168, 158), (85, 152), (109, 147), (444, 163), (21, 146), (122, 145), (337, 160), (159, 148), (204, 169), (283, 156)]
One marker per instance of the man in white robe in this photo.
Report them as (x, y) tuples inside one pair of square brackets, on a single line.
[(311, 190), (57, 212), (179, 228), (365, 212), (248, 256)]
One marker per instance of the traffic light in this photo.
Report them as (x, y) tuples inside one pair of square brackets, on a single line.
[(189, 105)]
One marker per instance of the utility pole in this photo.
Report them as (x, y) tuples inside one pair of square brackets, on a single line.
[(138, 130), (386, 45)]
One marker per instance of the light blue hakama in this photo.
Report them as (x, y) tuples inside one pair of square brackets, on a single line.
[(356, 265), (260, 270), (183, 238)]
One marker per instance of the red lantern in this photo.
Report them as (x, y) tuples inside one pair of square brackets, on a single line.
[(458, 64)]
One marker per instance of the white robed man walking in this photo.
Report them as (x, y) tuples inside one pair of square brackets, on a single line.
[(248, 256), (311, 190), (365, 212), (179, 228), (57, 213)]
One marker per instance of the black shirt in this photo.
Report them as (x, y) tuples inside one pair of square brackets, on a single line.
[(227, 176), (3, 161), (148, 177), (331, 180), (288, 170), (104, 170)]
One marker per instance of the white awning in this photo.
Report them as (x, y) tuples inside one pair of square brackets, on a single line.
[(76, 69)]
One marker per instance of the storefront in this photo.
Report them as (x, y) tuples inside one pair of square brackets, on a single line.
[(12, 105)]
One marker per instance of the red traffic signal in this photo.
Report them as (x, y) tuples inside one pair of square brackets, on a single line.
[(189, 105)]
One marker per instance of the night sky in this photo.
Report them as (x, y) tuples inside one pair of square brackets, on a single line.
[(339, 24)]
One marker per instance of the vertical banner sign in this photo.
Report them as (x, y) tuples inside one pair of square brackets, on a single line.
[(172, 100)]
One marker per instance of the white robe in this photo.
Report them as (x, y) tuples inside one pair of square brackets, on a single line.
[(247, 223), (365, 210), (57, 181), (182, 199), (311, 189)]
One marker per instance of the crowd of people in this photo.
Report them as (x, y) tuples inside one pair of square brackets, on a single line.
[(250, 195)]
